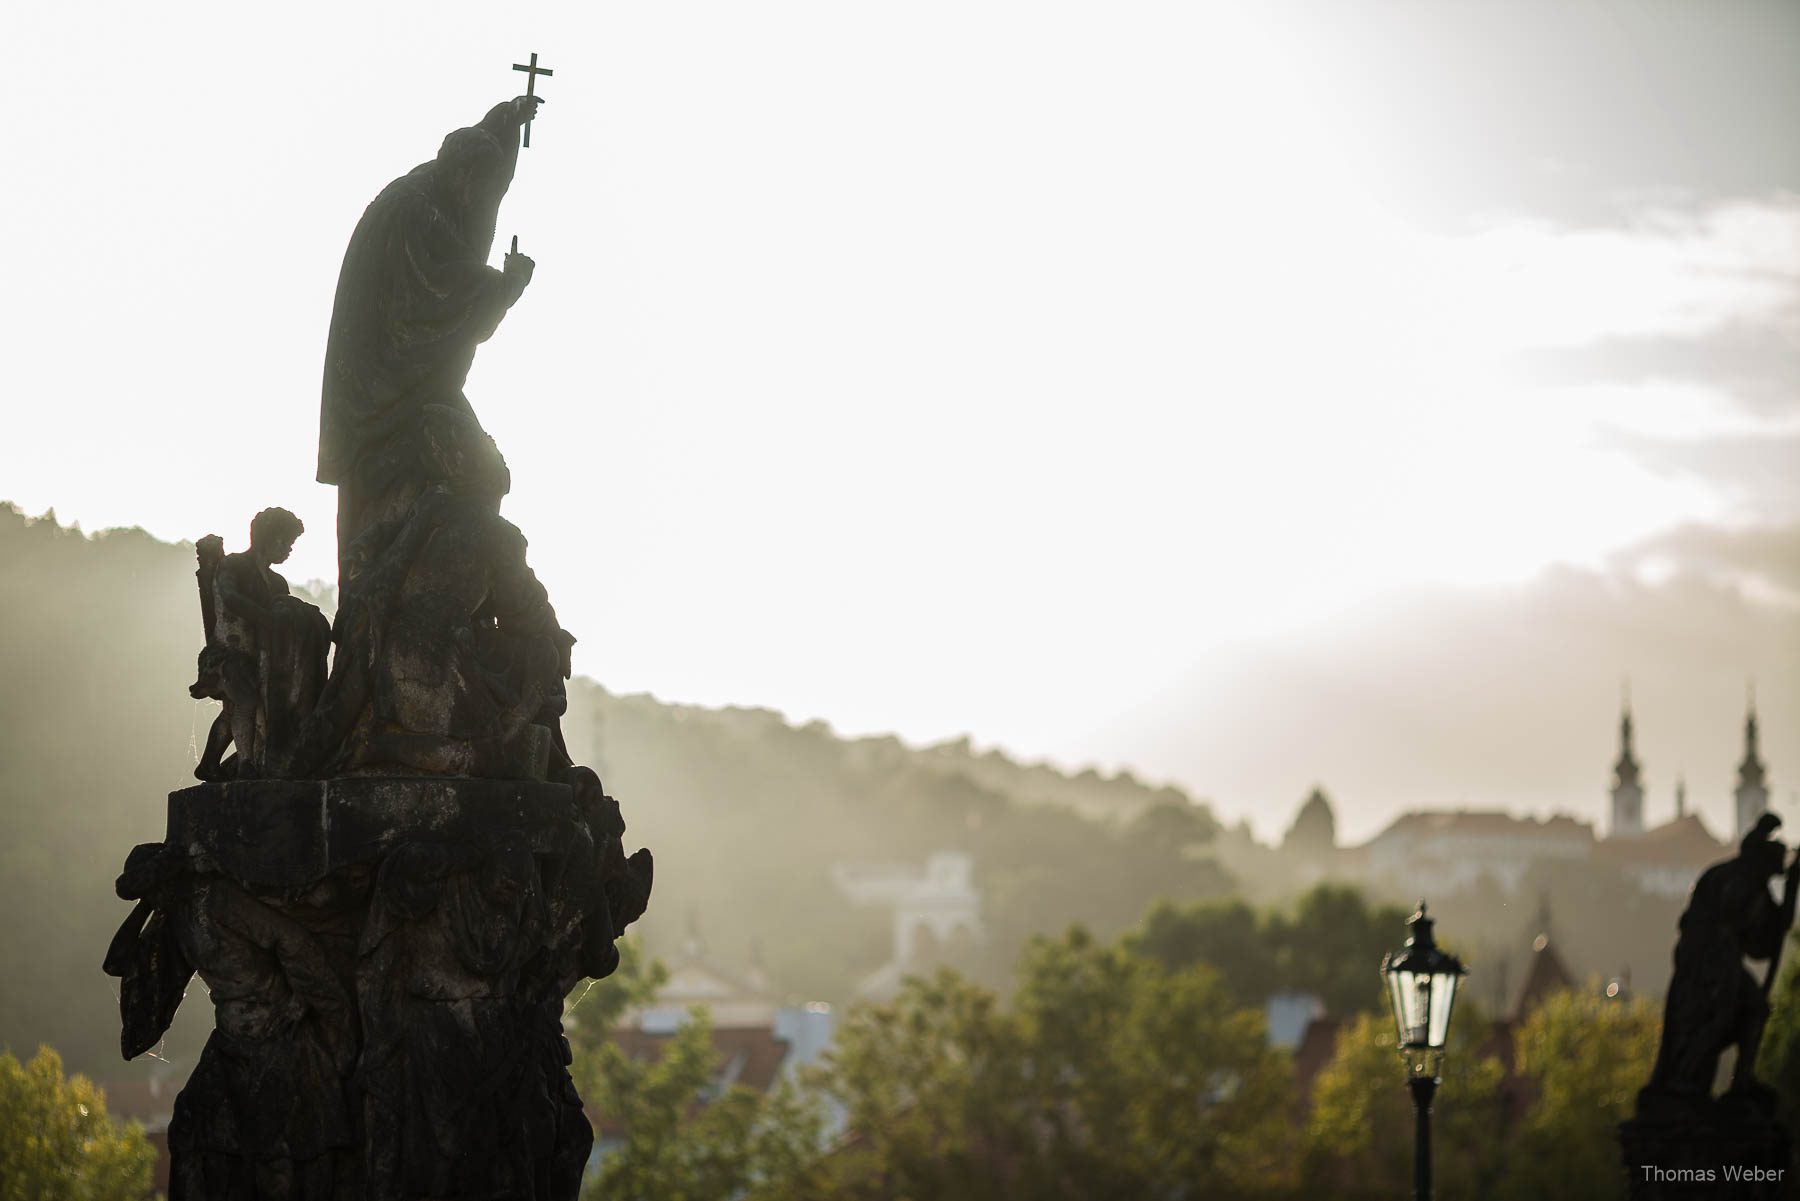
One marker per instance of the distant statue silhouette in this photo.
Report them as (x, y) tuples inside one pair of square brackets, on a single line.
[(264, 660), (1714, 1002)]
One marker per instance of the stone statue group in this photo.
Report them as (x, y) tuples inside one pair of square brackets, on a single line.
[(449, 657), (393, 873), (398, 873), (1685, 1128), (1714, 1002)]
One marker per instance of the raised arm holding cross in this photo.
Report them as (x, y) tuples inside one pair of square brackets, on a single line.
[(532, 71)]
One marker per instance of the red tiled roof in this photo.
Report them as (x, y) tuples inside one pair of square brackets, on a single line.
[(750, 1056), (138, 1100), (1517, 1092), (150, 1107), (159, 1175), (1682, 842), (1546, 975), (1316, 1048)]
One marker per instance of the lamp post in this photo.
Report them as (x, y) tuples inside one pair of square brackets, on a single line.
[(1421, 982)]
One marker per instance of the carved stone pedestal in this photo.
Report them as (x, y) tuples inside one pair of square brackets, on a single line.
[(1710, 1157), (388, 959)]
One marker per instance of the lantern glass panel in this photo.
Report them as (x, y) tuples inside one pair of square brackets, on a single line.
[(1396, 1006), (1443, 996), (1412, 1006)]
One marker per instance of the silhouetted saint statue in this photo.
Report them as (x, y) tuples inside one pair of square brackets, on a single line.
[(264, 660), (1714, 1002), (415, 297), (390, 921)]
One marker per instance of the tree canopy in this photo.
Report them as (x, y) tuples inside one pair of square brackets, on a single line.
[(745, 811), (684, 1139), (1329, 945), (1359, 1137), (1108, 1074), (57, 1142), (1588, 1054)]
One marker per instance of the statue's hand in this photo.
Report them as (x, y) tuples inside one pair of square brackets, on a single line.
[(565, 645), (518, 268), (525, 108)]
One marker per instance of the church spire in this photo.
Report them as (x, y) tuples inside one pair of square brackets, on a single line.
[(1753, 776), (1627, 788)]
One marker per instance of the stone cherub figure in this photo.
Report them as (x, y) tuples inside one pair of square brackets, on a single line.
[(1714, 1002), (264, 660)]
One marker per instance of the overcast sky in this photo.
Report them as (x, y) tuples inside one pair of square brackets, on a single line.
[(959, 367)]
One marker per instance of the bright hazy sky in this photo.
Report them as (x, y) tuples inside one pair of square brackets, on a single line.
[(945, 367)]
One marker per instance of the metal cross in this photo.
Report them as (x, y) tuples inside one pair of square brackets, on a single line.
[(532, 71)]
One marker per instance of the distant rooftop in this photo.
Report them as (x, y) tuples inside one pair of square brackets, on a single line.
[(1485, 821), (1684, 841), (1545, 976)]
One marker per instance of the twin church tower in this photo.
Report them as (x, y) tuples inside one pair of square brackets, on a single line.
[(1752, 793)]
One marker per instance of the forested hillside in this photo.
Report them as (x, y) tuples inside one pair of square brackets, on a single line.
[(746, 813)]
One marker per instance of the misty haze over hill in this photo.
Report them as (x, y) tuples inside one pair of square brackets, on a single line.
[(1502, 697), (748, 812), (1131, 337)]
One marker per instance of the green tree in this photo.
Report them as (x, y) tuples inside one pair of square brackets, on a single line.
[(591, 1014), (1227, 935), (1109, 1075), (684, 1139), (57, 1142), (1359, 1139), (1332, 945), (1588, 1055), (1329, 946), (1778, 1064)]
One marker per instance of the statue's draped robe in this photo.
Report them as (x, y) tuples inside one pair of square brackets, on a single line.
[(415, 297), (447, 644)]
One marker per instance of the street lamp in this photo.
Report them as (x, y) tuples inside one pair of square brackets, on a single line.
[(1421, 982)]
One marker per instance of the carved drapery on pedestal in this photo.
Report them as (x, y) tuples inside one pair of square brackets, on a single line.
[(388, 959)]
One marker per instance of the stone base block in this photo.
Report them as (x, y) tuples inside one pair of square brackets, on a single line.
[(293, 833), (1705, 1158), (387, 960)]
